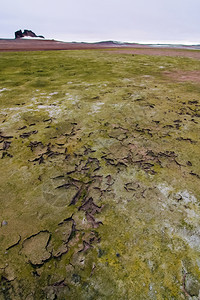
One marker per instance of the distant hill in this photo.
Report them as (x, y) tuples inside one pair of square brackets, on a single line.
[(127, 44)]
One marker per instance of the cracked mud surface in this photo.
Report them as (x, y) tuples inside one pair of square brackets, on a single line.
[(100, 173)]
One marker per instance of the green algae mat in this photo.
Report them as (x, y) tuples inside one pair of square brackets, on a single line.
[(99, 176)]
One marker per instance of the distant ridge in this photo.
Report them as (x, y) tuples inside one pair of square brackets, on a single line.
[(129, 44), (36, 43)]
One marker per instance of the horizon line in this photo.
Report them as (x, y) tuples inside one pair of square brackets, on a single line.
[(142, 42)]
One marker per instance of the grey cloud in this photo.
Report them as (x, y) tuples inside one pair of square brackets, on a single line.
[(115, 19)]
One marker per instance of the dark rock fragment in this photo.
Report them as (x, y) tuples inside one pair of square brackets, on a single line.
[(4, 223), (76, 278), (6, 145), (101, 252)]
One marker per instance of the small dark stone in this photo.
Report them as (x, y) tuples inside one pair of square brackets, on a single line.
[(76, 278), (178, 197), (100, 252), (4, 223)]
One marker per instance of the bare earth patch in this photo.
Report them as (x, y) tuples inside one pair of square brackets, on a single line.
[(183, 76), (160, 52)]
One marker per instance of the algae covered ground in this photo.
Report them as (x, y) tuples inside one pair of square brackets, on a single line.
[(100, 176)]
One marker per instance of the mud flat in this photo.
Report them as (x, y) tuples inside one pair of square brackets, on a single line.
[(100, 175)]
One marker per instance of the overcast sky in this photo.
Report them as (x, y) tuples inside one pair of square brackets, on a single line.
[(95, 20)]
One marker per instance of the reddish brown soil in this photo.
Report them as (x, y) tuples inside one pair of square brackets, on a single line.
[(36, 45), (182, 76), (161, 52)]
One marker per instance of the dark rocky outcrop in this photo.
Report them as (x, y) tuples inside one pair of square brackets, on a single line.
[(18, 34), (26, 33), (29, 33)]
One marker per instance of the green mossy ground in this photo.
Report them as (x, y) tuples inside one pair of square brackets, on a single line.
[(100, 173)]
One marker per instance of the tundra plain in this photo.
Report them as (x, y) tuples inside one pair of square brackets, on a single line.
[(100, 175)]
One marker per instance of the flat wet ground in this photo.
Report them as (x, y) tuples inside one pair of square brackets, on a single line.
[(99, 176), (160, 52)]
